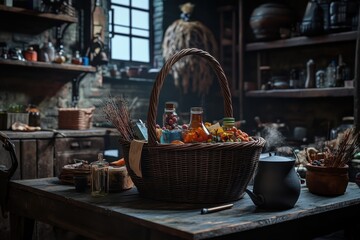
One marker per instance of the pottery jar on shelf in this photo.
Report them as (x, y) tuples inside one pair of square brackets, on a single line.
[(268, 20)]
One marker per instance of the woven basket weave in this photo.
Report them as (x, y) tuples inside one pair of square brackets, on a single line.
[(194, 172), (75, 118)]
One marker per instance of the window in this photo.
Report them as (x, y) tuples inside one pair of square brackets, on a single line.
[(129, 24)]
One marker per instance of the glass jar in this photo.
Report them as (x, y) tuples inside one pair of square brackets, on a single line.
[(197, 132), (76, 58), (228, 127), (170, 131), (320, 79), (47, 52), (34, 115), (99, 177), (170, 117), (30, 54), (60, 55)]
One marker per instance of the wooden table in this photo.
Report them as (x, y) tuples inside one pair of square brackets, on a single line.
[(128, 216)]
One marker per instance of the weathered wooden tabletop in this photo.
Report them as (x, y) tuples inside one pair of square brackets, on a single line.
[(128, 216)]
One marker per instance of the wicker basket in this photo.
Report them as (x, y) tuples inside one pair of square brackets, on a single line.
[(194, 172), (75, 118)]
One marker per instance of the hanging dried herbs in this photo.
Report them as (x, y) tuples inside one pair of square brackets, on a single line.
[(191, 72)]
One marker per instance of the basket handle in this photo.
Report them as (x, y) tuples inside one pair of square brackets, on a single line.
[(154, 97)]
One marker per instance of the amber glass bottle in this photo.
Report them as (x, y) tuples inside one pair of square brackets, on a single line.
[(197, 132)]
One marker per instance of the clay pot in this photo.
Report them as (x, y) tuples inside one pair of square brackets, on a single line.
[(327, 181), (269, 19)]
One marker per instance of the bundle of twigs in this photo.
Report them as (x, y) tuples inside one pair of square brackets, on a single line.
[(190, 72), (117, 112), (342, 153)]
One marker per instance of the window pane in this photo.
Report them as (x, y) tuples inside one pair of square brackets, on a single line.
[(120, 48), (122, 16), (123, 2), (140, 49), (144, 4), (140, 19), (120, 29), (142, 33)]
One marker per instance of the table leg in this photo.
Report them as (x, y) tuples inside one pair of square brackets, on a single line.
[(21, 227)]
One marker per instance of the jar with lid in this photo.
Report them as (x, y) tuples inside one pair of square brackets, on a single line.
[(197, 132), (34, 115), (99, 177), (228, 127), (170, 130), (30, 54), (170, 117)]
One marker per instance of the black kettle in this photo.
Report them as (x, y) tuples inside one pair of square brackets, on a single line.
[(276, 183)]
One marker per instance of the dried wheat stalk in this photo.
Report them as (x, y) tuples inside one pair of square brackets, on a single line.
[(340, 155), (192, 71), (117, 112)]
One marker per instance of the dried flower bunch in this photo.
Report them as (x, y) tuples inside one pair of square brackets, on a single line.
[(339, 152), (338, 155), (191, 72), (117, 112)]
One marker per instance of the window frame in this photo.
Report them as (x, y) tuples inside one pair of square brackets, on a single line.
[(112, 33)]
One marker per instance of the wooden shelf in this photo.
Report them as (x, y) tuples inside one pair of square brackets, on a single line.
[(302, 41), (303, 93), (23, 13), (29, 21), (39, 66)]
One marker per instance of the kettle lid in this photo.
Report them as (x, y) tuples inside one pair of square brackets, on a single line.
[(275, 158)]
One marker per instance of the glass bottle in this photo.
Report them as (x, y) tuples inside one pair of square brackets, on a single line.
[(76, 58), (47, 52), (170, 117), (197, 132), (99, 177), (60, 55), (320, 79), (331, 74)]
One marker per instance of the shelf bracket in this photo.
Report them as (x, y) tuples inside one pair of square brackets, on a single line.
[(75, 89), (60, 30)]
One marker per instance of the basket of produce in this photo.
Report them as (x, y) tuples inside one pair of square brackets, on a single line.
[(75, 118), (189, 172)]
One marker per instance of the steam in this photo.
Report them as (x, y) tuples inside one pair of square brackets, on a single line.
[(273, 138)]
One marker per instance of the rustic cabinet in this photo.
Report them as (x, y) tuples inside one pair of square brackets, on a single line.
[(42, 154)]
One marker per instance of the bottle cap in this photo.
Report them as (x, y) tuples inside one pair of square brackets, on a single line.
[(228, 120), (196, 110), (169, 105)]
